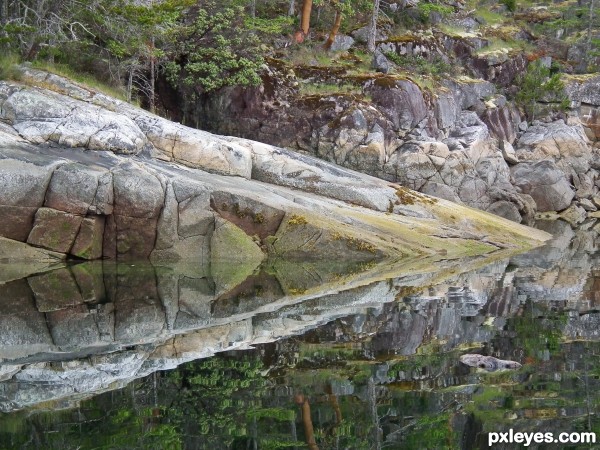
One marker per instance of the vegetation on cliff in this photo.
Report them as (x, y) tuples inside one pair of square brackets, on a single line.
[(147, 49)]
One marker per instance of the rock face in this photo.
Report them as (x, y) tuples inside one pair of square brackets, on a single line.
[(136, 187), (460, 141)]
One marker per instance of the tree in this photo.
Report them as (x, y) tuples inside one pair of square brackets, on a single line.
[(304, 21), (537, 84), (373, 27), (214, 50), (337, 22)]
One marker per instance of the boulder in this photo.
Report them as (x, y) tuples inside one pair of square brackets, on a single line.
[(545, 183), (502, 121), (567, 145), (54, 230), (137, 192), (42, 116), (380, 63), (72, 189), (341, 43), (401, 101), (505, 209)]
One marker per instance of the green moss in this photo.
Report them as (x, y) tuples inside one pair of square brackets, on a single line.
[(388, 82)]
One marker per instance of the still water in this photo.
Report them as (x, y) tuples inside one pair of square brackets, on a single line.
[(138, 357)]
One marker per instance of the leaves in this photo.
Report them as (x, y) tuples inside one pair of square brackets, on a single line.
[(215, 50)]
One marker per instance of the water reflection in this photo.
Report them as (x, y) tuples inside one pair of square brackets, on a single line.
[(367, 364)]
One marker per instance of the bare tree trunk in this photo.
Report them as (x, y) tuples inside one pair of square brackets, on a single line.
[(129, 84), (304, 21), (309, 432), (588, 50), (151, 97), (292, 8), (372, 398), (334, 30), (253, 8), (373, 27)]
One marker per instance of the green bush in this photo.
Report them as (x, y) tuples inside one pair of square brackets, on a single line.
[(537, 84), (511, 5), (425, 10), (421, 65)]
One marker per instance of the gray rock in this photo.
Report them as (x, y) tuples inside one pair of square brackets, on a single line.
[(566, 144), (16, 222), (505, 209), (342, 43), (441, 191), (137, 192), (446, 110), (508, 153), (54, 230), (55, 290), (404, 104), (72, 189), (583, 89), (286, 168), (88, 243), (194, 148), (362, 35), (380, 63), (545, 183), (44, 116), (23, 180)]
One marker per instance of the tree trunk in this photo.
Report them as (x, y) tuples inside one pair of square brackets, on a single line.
[(152, 98), (253, 8), (309, 432), (292, 8), (334, 30), (129, 84), (305, 21), (373, 27), (588, 49)]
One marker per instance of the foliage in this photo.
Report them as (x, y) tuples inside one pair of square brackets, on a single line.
[(511, 5), (537, 84), (214, 51), (535, 335), (269, 26), (421, 65), (427, 9)]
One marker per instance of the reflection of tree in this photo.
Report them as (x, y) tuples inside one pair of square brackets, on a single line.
[(222, 401), (309, 432)]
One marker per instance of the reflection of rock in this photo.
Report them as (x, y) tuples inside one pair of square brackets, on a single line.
[(489, 363), (165, 317)]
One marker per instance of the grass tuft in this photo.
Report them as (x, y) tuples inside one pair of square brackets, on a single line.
[(9, 69)]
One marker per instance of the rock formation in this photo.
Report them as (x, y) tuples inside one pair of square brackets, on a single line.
[(461, 141), (86, 176)]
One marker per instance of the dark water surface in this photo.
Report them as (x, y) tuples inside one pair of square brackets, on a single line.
[(121, 357)]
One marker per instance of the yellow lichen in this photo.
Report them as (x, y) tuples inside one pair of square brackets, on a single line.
[(297, 220)]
